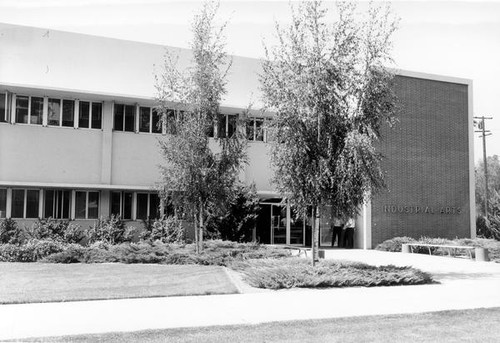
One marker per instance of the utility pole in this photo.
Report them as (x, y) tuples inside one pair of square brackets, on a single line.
[(484, 133)]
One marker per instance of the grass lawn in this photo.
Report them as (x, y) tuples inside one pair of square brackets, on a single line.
[(479, 325), (45, 282)]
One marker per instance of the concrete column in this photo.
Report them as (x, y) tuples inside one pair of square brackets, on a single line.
[(73, 204), (40, 204), (367, 225), (105, 203), (45, 115), (77, 114), (13, 110), (107, 142), (8, 208)]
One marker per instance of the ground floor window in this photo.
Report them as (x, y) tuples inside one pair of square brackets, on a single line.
[(86, 204), (57, 204), (3, 202), (148, 206), (121, 204), (25, 203)]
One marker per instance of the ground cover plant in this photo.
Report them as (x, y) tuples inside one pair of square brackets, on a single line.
[(395, 244), (298, 273)]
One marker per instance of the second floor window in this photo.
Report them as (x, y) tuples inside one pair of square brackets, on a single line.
[(29, 110), (90, 115), (149, 120), (61, 112), (124, 118)]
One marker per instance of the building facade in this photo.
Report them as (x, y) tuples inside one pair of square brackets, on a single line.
[(79, 140)]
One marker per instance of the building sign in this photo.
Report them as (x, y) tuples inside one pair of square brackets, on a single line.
[(422, 209)]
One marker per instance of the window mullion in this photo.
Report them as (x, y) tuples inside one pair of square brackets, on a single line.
[(77, 114), (151, 120), (86, 204), (90, 114), (25, 201), (29, 109), (45, 112)]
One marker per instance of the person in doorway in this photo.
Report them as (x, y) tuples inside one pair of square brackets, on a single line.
[(348, 231), (337, 231)]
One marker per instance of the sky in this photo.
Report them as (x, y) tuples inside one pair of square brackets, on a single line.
[(452, 38)]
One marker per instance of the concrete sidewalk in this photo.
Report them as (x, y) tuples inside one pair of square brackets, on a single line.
[(464, 284)]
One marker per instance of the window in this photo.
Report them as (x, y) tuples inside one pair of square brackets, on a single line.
[(68, 113), (227, 125), (61, 112), (171, 122), (124, 118), (29, 109), (57, 204), (22, 109), (3, 108), (90, 115), (255, 129), (121, 204), (148, 206), (3, 202), (149, 120), (54, 112), (144, 119), (96, 115), (25, 203), (86, 205), (258, 129), (156, 125)]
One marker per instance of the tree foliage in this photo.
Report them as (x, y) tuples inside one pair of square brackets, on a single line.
[(490, 227), (327, 83), (238, 220), (493, 180), (198, 176)]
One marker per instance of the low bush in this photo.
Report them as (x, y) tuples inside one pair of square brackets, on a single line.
[(298, 273), (11, 233), (110, 230), (165, 230), (394, 244), (57, 230), (215, 253), (32, 251)]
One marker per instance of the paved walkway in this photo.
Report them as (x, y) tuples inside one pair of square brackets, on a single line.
[(464, 284)]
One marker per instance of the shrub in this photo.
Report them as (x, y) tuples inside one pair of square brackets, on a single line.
[(291, 273), (11, 233), (238, 220), (57, 230), (110, 230), (165, 230), (394, 244), (74, 253), (32, 251)]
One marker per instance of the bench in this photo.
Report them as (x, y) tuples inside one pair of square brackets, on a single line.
[(481, 254)]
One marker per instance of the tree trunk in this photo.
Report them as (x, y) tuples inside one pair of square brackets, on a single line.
[(315, 237), (196, 234), (200, 233)]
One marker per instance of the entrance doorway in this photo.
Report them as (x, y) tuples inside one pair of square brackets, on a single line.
[(277, 224)]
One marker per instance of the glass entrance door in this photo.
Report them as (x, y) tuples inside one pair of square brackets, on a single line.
[(278, 224)]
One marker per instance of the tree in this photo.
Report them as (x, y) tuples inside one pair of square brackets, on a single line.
[(196, 177), (488, 227), (330, 90), (493, 181)]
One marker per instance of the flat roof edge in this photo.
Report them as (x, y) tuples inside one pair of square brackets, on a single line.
[(433, 77)]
